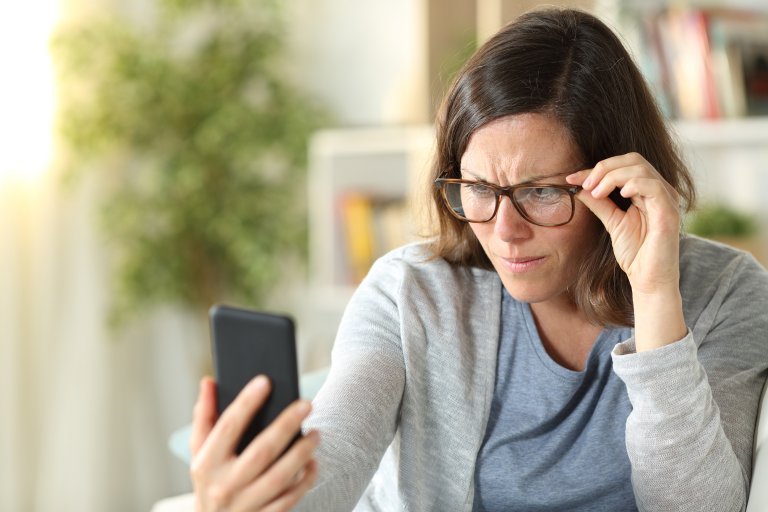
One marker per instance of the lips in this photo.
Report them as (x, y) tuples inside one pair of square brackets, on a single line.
[(521, 264)]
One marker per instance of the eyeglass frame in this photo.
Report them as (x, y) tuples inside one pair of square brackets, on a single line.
[(509, 192)]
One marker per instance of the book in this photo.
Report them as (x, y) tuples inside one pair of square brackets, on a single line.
[(686, 44), (356, 222), (754, 60), (371, 227), (707, 63)]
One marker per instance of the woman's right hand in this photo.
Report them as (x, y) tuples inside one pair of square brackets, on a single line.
[(259, 478)]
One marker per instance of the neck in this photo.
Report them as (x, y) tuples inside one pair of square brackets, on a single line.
[(565, 332), (556, 310)]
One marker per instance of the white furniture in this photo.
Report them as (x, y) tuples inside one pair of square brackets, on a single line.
[(376, 162)]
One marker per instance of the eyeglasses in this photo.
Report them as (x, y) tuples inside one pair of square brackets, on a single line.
[(477, 201)]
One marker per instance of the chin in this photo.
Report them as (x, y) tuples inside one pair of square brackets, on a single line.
[(532, 294)]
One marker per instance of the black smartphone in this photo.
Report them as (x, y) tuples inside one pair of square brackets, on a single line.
[(248, 343)]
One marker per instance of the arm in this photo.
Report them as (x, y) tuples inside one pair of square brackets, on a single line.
[(645, 241), (689, 436), (357, 408), (681, 457)]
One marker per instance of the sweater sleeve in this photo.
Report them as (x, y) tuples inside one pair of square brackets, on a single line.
[(689, 436), (357, 408)]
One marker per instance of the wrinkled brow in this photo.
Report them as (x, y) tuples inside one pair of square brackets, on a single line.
[(532, 179)]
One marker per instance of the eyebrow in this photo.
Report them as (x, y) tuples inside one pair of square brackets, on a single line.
[(532, 179)]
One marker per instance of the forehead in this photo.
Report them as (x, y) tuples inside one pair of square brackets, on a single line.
[(520, 147)]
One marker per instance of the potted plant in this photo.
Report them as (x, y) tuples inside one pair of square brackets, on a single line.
[(199, 142), (723, 223)]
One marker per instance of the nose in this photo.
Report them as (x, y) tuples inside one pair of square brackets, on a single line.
[(509, 225)]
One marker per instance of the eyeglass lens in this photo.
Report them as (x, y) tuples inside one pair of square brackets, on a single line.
[(476, 202)]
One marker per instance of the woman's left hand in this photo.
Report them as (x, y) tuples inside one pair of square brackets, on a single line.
[(645, 239)]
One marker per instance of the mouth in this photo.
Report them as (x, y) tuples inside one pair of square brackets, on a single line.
[(521, 264)]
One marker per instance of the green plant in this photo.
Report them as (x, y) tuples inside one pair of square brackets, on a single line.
[(719, 220), (200, 143)]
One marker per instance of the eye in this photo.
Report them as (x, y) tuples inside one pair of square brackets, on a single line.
[(479, 189), (542, 195)]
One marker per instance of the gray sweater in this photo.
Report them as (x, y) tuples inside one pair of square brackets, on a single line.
[(403, 412)]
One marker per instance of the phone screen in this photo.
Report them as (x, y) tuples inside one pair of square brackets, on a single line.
[(248, 343)]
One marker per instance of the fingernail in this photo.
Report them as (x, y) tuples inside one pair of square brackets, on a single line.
[(201, 389), (259, 383), (303, 407)]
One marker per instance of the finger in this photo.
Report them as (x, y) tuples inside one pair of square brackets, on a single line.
[(577, 178), (288, 473), (656, 201), (272, 442), (604, 167), (284, 473), (292, 496), (627, 159), (616, 178), (651, 188), (603, 208), (229, 428), (203, 415)]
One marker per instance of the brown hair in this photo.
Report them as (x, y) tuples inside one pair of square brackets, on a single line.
[(567, 64)]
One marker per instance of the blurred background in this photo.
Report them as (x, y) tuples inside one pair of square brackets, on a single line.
[(159, 156)]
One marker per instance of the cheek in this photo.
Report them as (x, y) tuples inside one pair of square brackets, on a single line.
[(572, 238), (481, 232), (583, 237)]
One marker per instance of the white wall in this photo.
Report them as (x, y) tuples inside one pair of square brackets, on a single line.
[(364, 58)]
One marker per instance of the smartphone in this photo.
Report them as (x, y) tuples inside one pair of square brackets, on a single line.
[(248, 343)]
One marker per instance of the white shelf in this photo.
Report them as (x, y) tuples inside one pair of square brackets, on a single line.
[(382, 162), (748, 131), (645, 5)]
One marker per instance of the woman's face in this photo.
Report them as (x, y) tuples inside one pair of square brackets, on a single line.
[(536, 264)]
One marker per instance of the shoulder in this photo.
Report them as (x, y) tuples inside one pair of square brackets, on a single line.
[(703, 261), (415, 265), (721, 283)]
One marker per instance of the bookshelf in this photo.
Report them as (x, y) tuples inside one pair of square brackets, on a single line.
[(381, 167), (729, 159), (694, 54), (361, 183), (725, 133), (704, 59)]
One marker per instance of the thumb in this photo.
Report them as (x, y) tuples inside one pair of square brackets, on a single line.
[(604, 209)]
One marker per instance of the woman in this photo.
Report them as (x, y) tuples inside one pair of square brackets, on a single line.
[(558, 345)]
